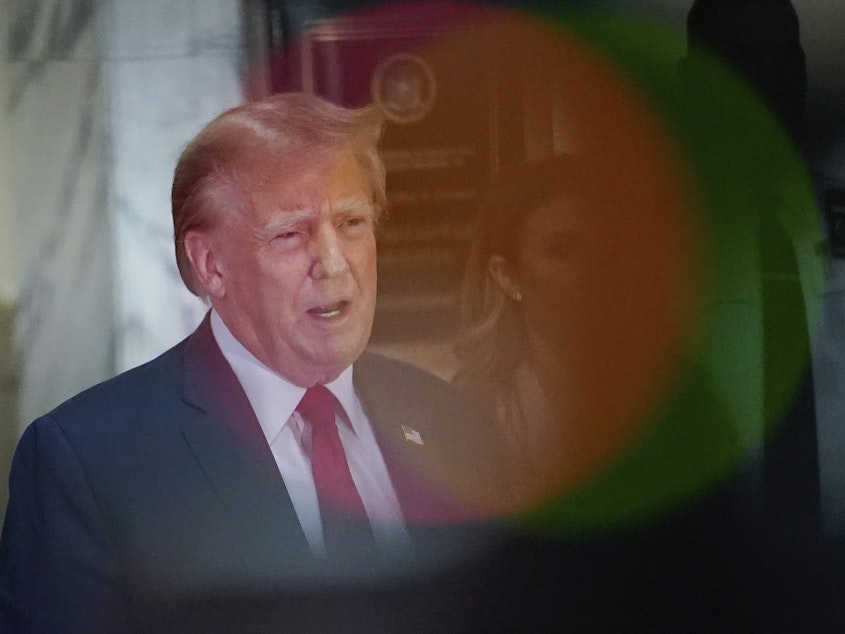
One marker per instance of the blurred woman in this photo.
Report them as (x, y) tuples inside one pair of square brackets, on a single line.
[(571, 309)]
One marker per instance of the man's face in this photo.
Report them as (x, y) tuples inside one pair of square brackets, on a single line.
[(298, 271)]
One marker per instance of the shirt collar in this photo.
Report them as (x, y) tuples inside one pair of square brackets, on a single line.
[(273, 398)]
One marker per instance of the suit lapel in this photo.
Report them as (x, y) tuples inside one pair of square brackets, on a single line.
[(230, 446), (232, 451), (409, 442)]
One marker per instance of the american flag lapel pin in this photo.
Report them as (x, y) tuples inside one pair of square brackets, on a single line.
[(412, 435)]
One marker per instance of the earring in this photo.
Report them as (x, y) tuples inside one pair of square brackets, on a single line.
[(517, 297)]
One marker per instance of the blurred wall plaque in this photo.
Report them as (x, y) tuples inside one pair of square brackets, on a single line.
[(434, 85), (404, 88)]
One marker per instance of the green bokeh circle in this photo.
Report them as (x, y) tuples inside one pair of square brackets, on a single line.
[(755, 206)]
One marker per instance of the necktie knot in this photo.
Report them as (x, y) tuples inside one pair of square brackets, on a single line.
[(318, 406)]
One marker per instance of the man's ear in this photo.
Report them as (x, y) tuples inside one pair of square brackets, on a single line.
[(205, 263), (505, 277)]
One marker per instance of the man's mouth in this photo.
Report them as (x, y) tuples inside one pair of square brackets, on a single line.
[(329, 310)]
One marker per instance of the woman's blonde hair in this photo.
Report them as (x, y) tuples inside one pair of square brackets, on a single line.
[(494, 338)]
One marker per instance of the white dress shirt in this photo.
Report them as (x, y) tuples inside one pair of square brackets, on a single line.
[(274, 400)]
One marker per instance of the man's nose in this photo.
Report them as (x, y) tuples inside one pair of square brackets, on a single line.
[(329, 258)]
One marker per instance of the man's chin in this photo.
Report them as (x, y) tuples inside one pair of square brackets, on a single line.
[(323, 367)]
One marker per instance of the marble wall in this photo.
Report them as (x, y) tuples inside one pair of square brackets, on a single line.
[(99, 98), (8, 396), (172, 66), (55, 109)]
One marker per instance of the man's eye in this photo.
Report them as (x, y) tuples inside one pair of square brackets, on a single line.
[(354, 222), (286, 239)]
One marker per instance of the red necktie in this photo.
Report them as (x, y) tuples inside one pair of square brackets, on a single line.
[(342, 512)]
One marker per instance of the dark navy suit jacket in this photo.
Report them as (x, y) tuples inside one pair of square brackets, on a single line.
[(152, 501)]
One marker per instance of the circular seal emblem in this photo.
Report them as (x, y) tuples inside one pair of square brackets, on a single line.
[(403, 87)]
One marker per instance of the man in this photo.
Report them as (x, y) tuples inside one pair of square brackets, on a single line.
[(265, 465)]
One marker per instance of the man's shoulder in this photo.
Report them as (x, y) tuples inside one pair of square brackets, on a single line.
[(384, 366), (147, 386), (112, 428), (436, 431), (397, 394), (390, 378)]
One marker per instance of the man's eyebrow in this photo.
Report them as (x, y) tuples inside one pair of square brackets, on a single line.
[(291, 217), (288, 219), (355, 204)]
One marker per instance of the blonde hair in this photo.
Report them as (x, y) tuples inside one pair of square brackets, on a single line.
[(247, 146), (494, 338)]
